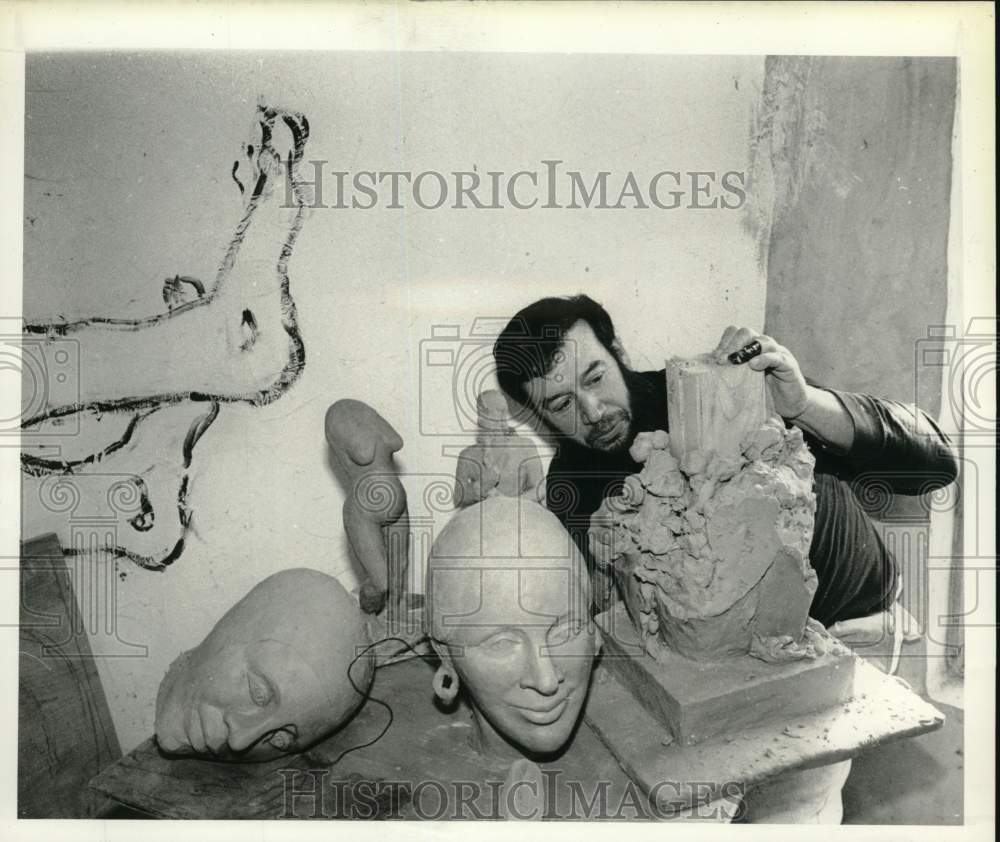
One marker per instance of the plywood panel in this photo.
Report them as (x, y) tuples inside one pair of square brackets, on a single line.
[(65, 735)]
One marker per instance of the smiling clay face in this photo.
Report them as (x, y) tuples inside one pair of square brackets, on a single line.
[(507, 602), (272, 676)]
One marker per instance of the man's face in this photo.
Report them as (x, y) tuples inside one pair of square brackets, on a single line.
[(584, 397)]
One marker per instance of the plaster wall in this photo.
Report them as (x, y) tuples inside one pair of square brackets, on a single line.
[(128, 162)]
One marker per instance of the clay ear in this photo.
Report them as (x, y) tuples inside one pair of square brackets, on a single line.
[(465, 493), (444, 656), (445, 684)]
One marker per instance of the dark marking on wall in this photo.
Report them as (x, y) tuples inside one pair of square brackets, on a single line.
[(174, 292), (184, 294), (196, 431), (239, 184), (128, 487), (146, 518), (248, 324), (38, 466), (298, 126)]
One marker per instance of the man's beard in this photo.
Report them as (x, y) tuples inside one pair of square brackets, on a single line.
[(632, 418), (618, 422)]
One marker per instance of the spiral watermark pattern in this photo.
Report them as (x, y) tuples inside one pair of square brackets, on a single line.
[(377, 493)]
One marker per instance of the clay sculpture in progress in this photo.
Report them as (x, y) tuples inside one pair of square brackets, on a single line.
[(286, 666), (376, 518), (506, 607), (709, 545)]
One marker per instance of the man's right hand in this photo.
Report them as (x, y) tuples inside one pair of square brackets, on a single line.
[(813, 410), (785, 382)]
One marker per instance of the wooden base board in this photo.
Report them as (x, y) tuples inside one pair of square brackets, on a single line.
[(696, 701), (883, 710), (423, 767)]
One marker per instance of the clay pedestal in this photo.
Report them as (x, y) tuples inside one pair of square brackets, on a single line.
[(695, 700)]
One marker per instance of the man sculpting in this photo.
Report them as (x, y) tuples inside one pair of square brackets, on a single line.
[(561, 358)]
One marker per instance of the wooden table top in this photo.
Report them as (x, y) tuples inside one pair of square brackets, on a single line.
[(424, 767)]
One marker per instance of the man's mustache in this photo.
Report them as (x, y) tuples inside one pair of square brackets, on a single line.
[(608, 422)]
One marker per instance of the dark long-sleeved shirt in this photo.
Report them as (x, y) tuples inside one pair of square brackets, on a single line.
[(897, 449)]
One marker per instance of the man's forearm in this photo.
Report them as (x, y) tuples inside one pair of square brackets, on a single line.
[(898, 441), (826, 419)]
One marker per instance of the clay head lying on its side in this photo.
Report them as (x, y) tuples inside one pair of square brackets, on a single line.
[(271, 678), (507, 608)]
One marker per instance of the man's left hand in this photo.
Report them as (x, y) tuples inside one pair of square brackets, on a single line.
[(786, 384)]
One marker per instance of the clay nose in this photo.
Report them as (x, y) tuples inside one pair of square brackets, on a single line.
[(214, 728), (543, 674), (245, 730), (171, 740), (169, 727)]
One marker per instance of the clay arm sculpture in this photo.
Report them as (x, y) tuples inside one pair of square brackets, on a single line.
[(363, 443)]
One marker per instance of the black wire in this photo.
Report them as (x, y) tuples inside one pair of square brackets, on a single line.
[(371, 698)]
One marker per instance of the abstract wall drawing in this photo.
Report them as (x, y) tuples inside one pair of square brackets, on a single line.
[(110, 425), (132, 498)]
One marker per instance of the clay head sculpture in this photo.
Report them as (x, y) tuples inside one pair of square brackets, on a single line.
[(375, 515), (272, 676), (507, 610)]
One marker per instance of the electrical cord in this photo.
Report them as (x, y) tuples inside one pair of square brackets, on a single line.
[(382, 703)]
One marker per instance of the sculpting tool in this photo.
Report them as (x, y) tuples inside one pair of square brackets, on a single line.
[(747, 352)]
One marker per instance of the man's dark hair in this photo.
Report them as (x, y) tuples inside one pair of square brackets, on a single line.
[(526, 347)]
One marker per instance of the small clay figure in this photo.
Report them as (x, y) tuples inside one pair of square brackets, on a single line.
[(502, 462), (475, 480), (492, 412), (507, 608), (376, 519), (282, 669)]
